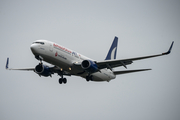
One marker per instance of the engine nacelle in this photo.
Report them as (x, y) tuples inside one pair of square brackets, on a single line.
[(43, 70), (89, 66)]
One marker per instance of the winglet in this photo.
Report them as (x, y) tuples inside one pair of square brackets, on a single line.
[(7, 63), (169, 51)]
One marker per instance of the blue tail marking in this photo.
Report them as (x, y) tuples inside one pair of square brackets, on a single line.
[(113, 49)]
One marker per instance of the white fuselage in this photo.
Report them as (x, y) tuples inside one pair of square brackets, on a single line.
[(66, 59)]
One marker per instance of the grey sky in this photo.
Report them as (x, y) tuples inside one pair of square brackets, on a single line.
[(88, 27)]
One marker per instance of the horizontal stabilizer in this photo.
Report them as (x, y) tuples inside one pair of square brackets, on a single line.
[(129, 71)]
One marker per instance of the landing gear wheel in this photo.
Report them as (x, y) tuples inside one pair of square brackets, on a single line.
[(64, 80), (60, 81), (91, 78), (87, 78)]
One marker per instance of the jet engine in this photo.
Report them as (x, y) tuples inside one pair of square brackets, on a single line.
[(89, 66), (43, 70)]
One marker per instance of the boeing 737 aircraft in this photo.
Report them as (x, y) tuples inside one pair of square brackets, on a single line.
[(68, 62)]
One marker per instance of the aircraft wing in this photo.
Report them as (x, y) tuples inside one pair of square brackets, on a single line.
[(7, 67), (123, 62), (25, 69), (53, 70)]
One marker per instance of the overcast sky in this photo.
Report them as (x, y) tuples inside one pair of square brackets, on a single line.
[(88, 27)]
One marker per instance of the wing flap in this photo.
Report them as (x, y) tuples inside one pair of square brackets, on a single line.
[(113, 63)]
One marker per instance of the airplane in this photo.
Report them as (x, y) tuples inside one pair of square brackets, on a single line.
[(67, 62)]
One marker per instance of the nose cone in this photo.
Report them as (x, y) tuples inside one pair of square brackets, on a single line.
[(34, 48)]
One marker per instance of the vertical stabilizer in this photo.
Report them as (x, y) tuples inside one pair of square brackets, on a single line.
[(113, 49)]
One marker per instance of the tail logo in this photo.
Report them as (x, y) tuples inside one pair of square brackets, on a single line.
[(113, 53), (113, 49)]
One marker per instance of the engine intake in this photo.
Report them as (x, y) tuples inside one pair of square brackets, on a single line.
[(43, 70), (89, 66)]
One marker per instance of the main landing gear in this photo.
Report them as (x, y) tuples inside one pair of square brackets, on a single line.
[(89, 77), (62, 80)]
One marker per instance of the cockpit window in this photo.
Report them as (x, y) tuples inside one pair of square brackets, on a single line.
[(42, 43)]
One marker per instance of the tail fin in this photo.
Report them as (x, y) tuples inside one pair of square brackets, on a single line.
[(113, 49)]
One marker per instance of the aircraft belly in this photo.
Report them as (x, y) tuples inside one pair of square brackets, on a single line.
[(66, 65), (55, 61), (61, 63)]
